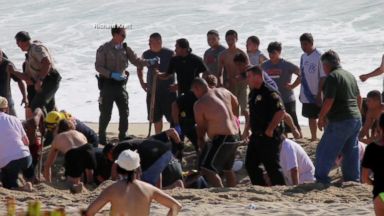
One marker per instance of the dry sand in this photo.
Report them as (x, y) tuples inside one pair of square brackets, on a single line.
[(245, 199)]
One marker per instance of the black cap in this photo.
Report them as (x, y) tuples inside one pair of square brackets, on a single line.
[(22, 36)]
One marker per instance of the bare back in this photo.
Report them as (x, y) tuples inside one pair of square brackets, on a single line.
[(66, 141), (134, 199), (217, 115), (230, 68), (130, 199)]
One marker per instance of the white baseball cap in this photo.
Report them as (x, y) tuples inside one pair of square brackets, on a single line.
[(3, 103), (128, 160)]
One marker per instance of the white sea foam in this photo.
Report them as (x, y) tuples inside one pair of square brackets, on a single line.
[(353, 28)]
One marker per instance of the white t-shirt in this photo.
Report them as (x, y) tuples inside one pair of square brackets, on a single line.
[(254, 58), (11, 143), (293, 155), (311, 72)]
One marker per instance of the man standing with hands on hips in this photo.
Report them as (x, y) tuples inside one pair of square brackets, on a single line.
[(111, 63)]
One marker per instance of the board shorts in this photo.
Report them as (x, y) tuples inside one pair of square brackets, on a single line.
[(310, 110), (78, 159), (162, 106), (220, 153), (240, 91)]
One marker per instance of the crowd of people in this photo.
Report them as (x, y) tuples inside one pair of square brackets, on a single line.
[(202, 99)]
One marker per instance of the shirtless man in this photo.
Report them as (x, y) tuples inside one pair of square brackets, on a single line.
[(79, 155), (369, 132), (214, 117), (130, 196), (232, 78)]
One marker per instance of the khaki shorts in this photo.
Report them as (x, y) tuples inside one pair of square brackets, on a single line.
[(240, 90)]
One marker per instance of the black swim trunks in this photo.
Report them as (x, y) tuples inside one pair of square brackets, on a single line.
[(78, 159), (220, 153)]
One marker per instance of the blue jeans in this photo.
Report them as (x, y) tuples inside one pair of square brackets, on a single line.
[(152, 174), (339, 137), (10, 173)]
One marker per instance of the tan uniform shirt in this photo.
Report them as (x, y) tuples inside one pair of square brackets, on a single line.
[(109, 59), (36, 53)]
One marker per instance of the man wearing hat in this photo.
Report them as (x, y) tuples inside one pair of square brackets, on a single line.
[(131, 196), (41, 71), (14, 152), (7, 69), (186, 65)]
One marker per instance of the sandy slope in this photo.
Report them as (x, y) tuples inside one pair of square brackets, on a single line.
[(310, 199)]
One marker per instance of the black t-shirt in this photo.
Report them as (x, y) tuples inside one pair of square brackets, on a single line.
[(103, 166), (150, 150), (185, 103), (187, 68), (263, 104), (374, 160), (5, 78)]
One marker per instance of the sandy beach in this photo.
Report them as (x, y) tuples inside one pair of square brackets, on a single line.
[(245, 199)]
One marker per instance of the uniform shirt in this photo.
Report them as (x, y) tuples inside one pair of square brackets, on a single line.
[(211, 59), (263, 104), (281, 73), (374, 160), (165, 56), (37, 51), (186, 68), (185, 104), (341, 86), (311, 71), (11, 144), (292, 155), (110, 58)]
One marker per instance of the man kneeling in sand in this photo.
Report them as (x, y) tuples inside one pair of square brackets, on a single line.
[(130, 196), (79, 155), (214, 116)]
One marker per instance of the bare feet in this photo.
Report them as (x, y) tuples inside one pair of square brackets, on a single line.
[(27, 187), (314, 139), (77, 188), (296, 134)]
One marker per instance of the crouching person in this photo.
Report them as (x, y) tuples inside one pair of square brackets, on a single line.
[(14, 152), (79, 155)]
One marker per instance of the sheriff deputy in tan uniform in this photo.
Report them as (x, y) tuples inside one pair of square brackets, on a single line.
[(40, 71), (111, 63)]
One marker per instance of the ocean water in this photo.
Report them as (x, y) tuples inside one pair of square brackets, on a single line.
[(352, 28)]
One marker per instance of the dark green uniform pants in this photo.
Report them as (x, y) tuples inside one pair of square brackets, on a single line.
[(46, 97), (110, 92)]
